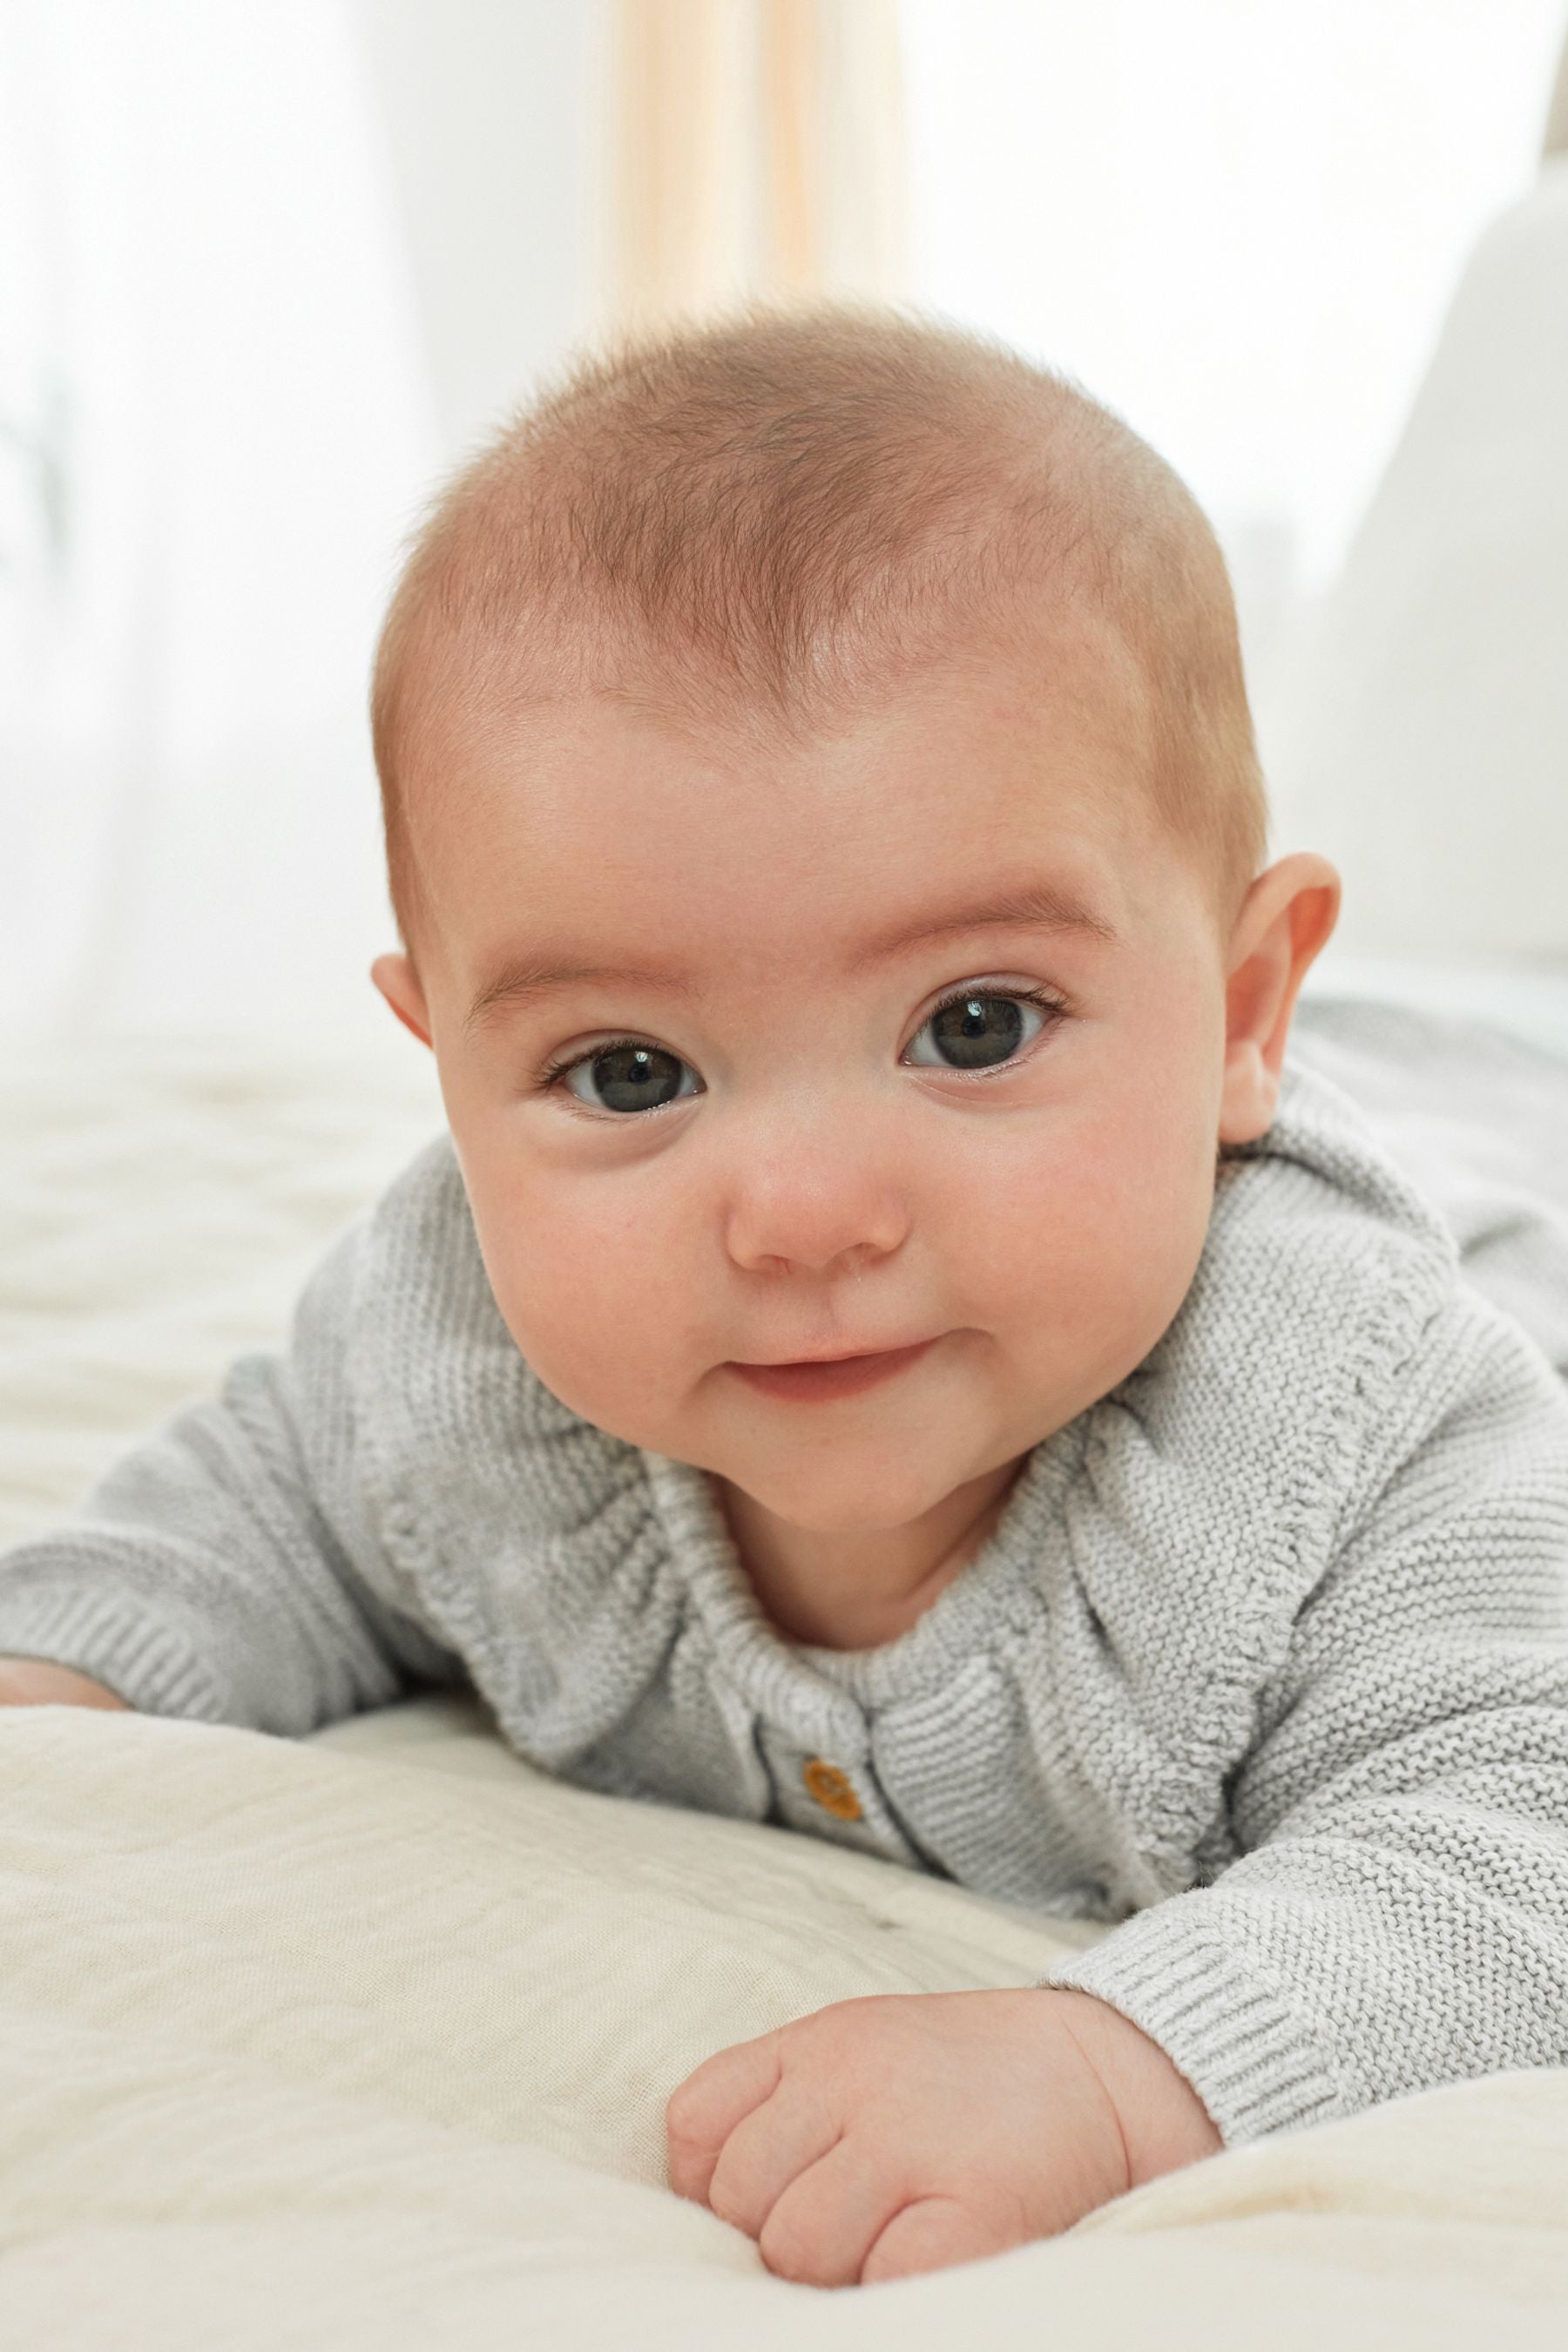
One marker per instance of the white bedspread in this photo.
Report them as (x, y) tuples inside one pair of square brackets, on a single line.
[(364, 2041)]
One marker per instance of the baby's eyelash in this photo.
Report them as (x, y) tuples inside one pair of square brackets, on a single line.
[(1040, 998)]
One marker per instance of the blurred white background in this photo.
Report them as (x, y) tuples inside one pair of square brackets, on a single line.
[(268, 266)]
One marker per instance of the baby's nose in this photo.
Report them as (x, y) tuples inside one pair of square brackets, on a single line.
[(816, 1201)]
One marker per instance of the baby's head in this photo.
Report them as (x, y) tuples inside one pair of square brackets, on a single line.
[(826, 835)]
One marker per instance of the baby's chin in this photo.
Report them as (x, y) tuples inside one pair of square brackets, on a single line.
[(841, 1489)]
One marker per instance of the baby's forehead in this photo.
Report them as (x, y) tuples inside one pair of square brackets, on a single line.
[(586, 817), (547, 750)]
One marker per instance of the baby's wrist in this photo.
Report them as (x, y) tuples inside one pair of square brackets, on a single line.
[(1163, 2121)]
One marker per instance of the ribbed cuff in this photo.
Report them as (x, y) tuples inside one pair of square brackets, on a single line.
[(146, 1662), (1228, 2031)]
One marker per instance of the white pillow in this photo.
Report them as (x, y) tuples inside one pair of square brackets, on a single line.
[(1417, 731)]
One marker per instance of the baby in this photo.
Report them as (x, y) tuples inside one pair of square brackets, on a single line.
[(893, 1346)]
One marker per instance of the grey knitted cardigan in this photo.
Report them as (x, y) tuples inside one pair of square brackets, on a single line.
[(1265, 1663)]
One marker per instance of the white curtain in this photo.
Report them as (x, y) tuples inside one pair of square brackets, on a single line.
[(755, 148), (216, 424)]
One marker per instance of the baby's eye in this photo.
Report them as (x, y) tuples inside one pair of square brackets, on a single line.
[(980, 1028), (626, 1076), (975, 1029)]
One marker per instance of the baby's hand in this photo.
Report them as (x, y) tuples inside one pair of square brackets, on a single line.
[(910, 2131), (38, 1682)]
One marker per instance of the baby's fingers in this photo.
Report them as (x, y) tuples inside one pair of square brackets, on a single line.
[(934, 2233), (702, 2112)]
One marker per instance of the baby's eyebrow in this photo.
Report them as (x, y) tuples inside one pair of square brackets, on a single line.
[(1038, 904)]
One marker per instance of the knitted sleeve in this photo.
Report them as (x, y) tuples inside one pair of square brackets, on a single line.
[(219, 1568), (1388, 1909)]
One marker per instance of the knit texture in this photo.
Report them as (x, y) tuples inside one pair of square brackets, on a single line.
[(1266, 1665)]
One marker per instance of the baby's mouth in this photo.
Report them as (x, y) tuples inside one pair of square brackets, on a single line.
[(831, 1377)]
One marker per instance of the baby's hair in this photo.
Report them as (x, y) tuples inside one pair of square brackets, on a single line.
[(782, 509)]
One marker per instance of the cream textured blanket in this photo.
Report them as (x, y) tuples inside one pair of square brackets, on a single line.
[(364, 2040)]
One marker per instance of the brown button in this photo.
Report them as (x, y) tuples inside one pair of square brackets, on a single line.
[(831, 1789)]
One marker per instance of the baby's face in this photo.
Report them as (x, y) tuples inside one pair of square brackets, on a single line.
[(801, 1098)]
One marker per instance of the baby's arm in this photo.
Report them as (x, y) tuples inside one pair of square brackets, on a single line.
[(220, 1569), (1397, 1916)]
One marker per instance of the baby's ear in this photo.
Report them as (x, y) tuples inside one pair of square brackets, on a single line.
[(1286, 917), (399, 983)]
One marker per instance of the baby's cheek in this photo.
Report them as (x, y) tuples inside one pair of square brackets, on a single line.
[(597, 1309), (1102, 1248)]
